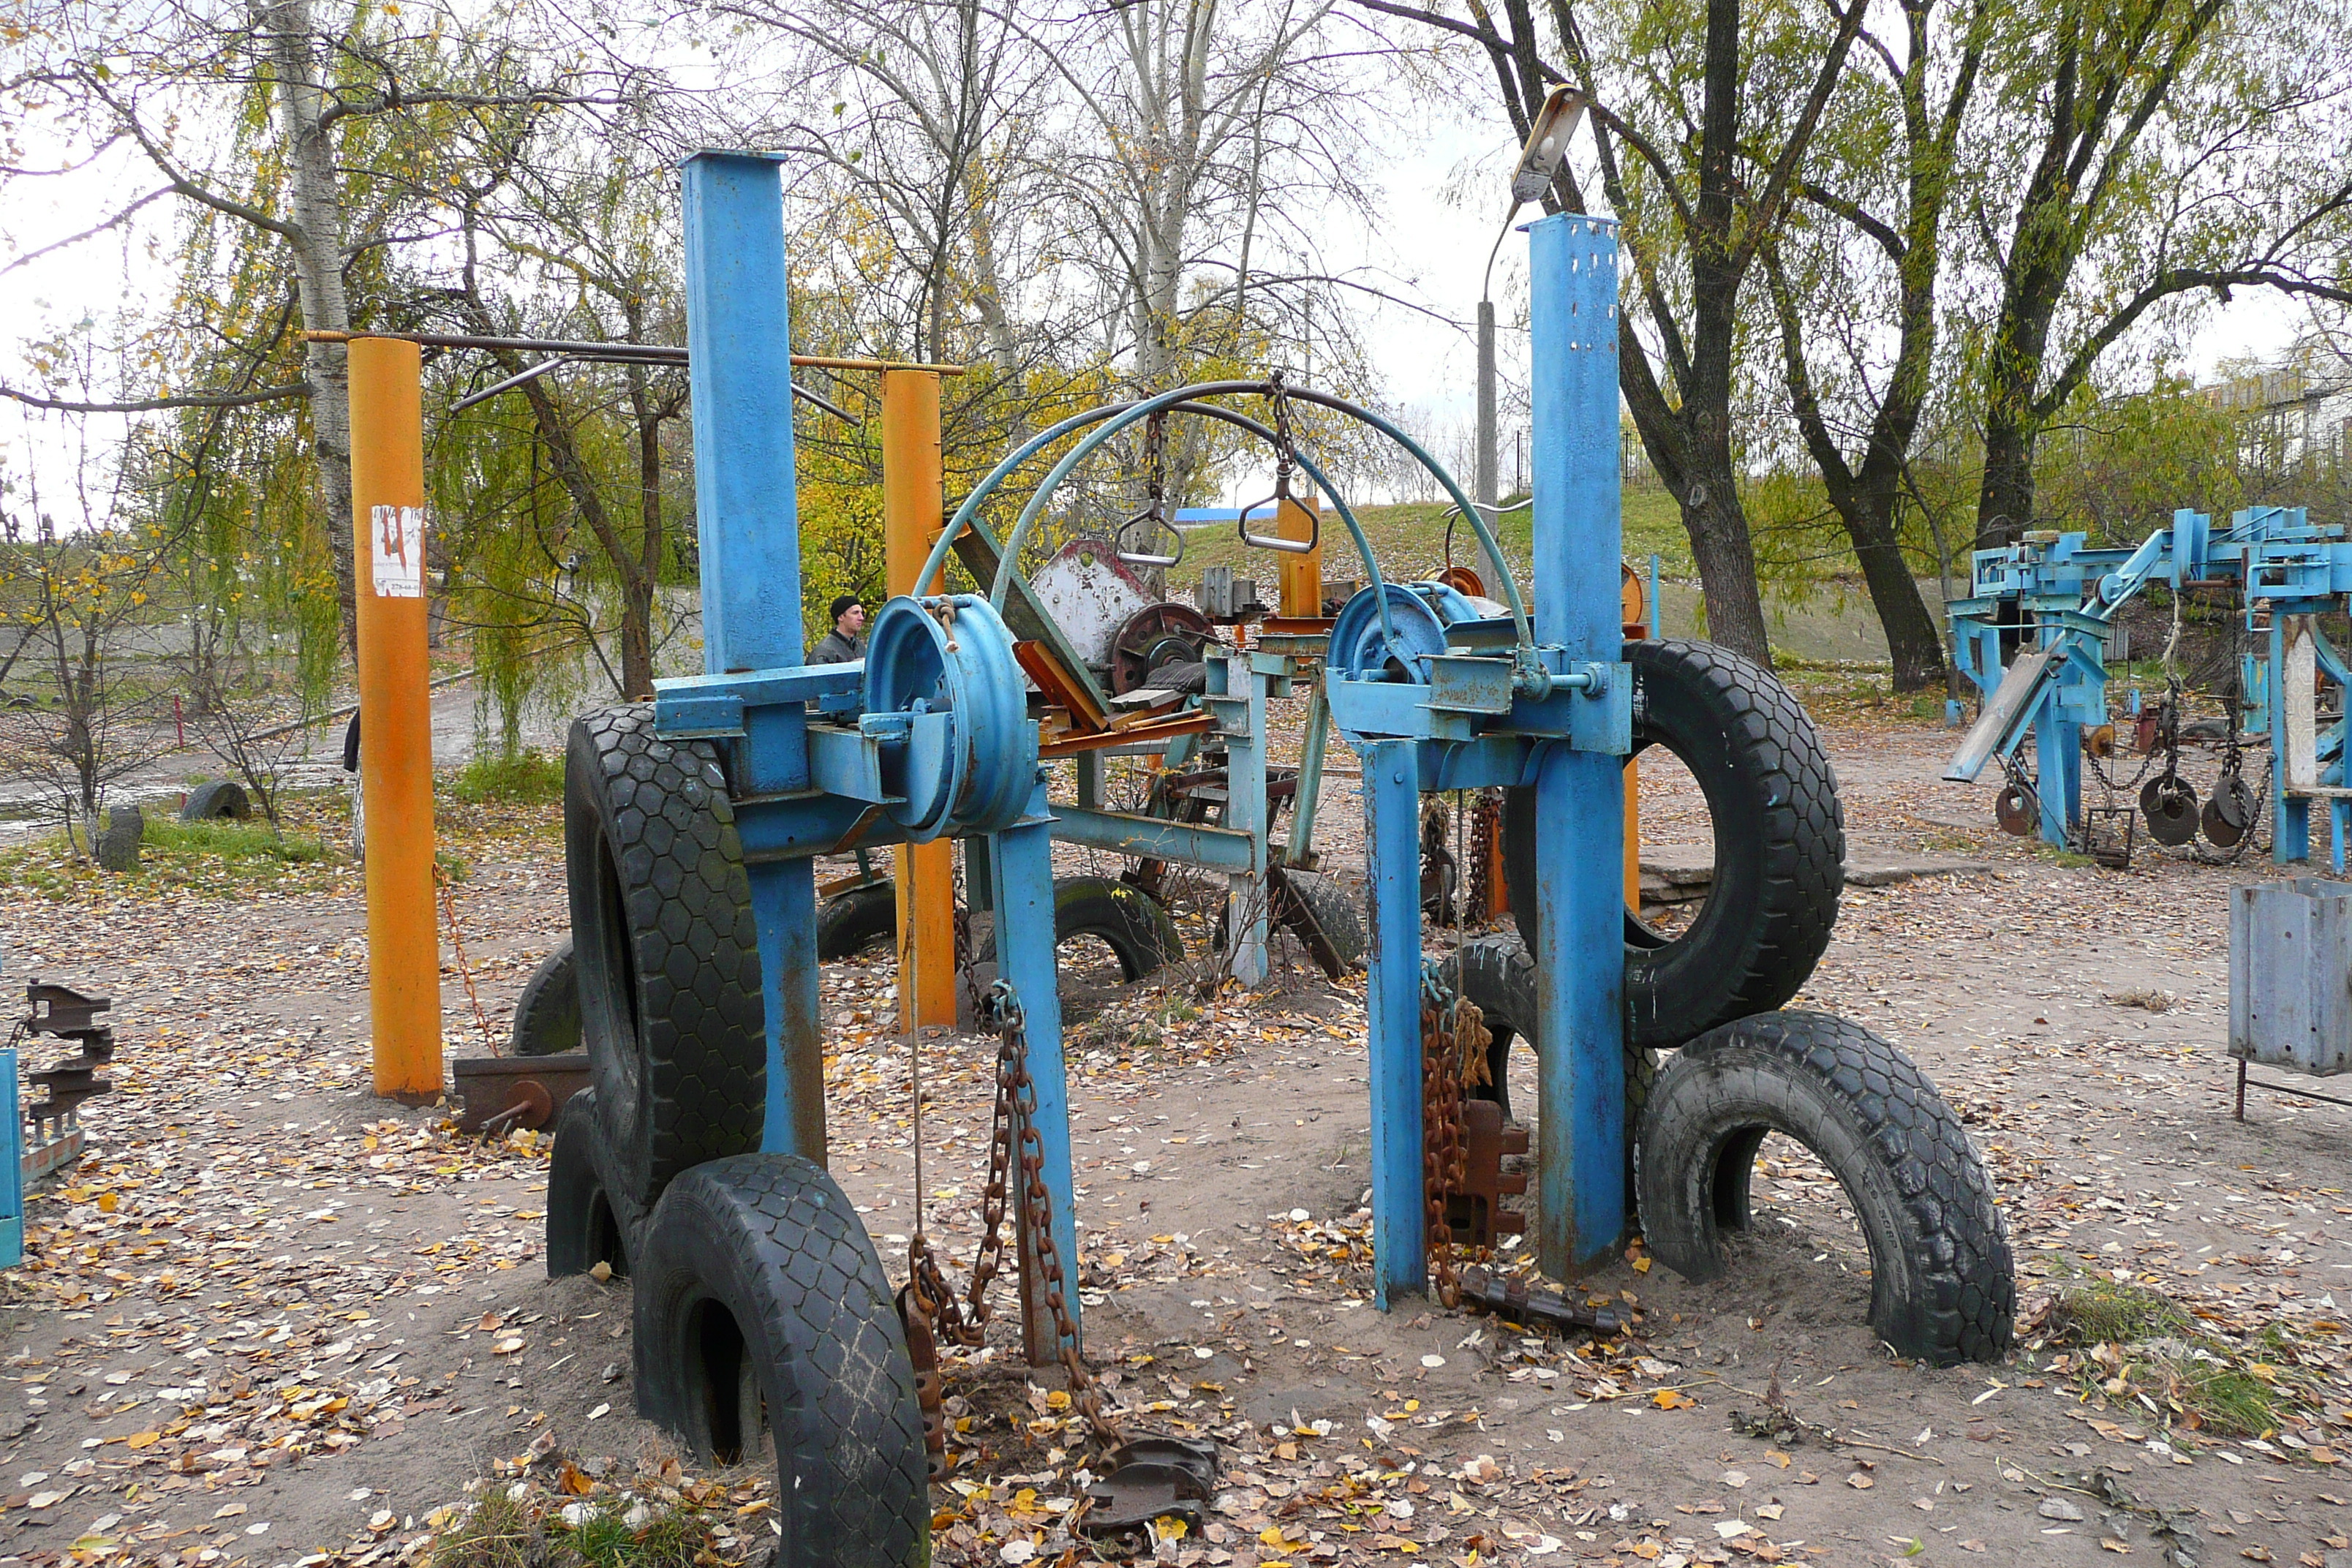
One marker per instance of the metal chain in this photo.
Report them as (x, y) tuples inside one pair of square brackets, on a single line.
[(457, 945), (1013, 1138), (1451, 1027)]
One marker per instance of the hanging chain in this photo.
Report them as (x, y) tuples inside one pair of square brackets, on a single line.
[(1014, 1140), (1286, 446), (457, 945), (1452, 1031)]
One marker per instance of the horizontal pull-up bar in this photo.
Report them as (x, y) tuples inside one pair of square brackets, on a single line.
[(613, 353)]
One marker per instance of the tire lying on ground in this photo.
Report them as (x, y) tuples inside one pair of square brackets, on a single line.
[(1943, 1286), (1780, 844), (1135, 926), (850, 921), (587, 1223), (758, 1297), (222, 798), (547, 1015), (668, 961)]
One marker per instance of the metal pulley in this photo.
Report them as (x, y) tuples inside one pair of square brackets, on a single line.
[(944, 698), (2169, 804), (1419, 614), (1155, 635)]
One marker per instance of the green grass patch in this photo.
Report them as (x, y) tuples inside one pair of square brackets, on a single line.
[(502, 1532), (528, 777), (2095, 1311), (221, 856)]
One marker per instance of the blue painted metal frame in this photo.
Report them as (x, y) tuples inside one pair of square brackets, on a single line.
[(2282, 564), (1419, 733), (755, 696)]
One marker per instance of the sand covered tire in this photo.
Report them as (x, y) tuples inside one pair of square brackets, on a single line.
[(1135, 926), (1943, 1286), (758, 1298), (222, 798), (586, 1223), (668, 961), (849, 922), (1780, 844), (546, 1015)]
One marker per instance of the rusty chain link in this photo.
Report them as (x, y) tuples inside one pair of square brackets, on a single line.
[(1453, 1057), (1014, 1138)]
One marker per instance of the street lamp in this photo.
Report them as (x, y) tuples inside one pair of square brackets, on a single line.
[(1540, 161)]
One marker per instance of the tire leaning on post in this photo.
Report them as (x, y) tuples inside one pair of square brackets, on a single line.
[(666, 955), (1780, 844)]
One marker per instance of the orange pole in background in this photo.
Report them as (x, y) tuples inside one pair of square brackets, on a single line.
[(913, 509), (1301, 584), (396, 717)]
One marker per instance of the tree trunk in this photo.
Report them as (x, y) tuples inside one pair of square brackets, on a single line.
[(318, 250), (2005, 500), (1727, 563), (1913, 640)]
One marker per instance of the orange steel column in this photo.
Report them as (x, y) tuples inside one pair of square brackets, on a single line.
[(914, 504), (1633, 834), (1301, 586), (396, 717)]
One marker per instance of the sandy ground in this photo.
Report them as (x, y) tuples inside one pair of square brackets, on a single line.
[(270, 1317)]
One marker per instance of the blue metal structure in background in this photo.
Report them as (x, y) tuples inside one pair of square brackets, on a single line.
[(2053, 601)]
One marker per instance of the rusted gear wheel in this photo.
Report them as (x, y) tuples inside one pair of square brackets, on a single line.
[(2016, 810), (1154, 635), (2169, 804)]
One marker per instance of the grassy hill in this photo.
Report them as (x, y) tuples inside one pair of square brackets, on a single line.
[(1409, 542)]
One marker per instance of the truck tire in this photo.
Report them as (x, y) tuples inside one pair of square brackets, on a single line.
[(546, 1015), (1780, 844), (1334, 910), (586, 1224), (1135, 926), (1943, 1286), (1499, 976), (222, 798), (759, 1297), (668, 964), (850, 922)]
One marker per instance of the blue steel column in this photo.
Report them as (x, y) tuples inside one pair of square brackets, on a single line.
[(1023, 857), (740, 342), (2058, 769), (1392, 1008), (1245, 902), (1579, 947), (2290, 814)]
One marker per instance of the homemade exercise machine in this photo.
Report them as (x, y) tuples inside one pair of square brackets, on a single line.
[(2033, 635), (694, 1162)]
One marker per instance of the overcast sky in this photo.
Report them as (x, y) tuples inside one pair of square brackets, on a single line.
[(1431, 247)]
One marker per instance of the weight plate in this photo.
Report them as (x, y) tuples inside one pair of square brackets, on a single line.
[(2015, 810)]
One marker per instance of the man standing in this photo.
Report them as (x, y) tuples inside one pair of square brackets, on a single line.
[(846, 644)]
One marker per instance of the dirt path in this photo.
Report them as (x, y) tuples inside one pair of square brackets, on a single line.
[(269, 1317)]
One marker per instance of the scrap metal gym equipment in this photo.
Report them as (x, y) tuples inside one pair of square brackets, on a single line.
[(694, 1161), (2033, 635)]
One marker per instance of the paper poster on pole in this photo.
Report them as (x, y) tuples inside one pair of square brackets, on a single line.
[(397, 546)]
